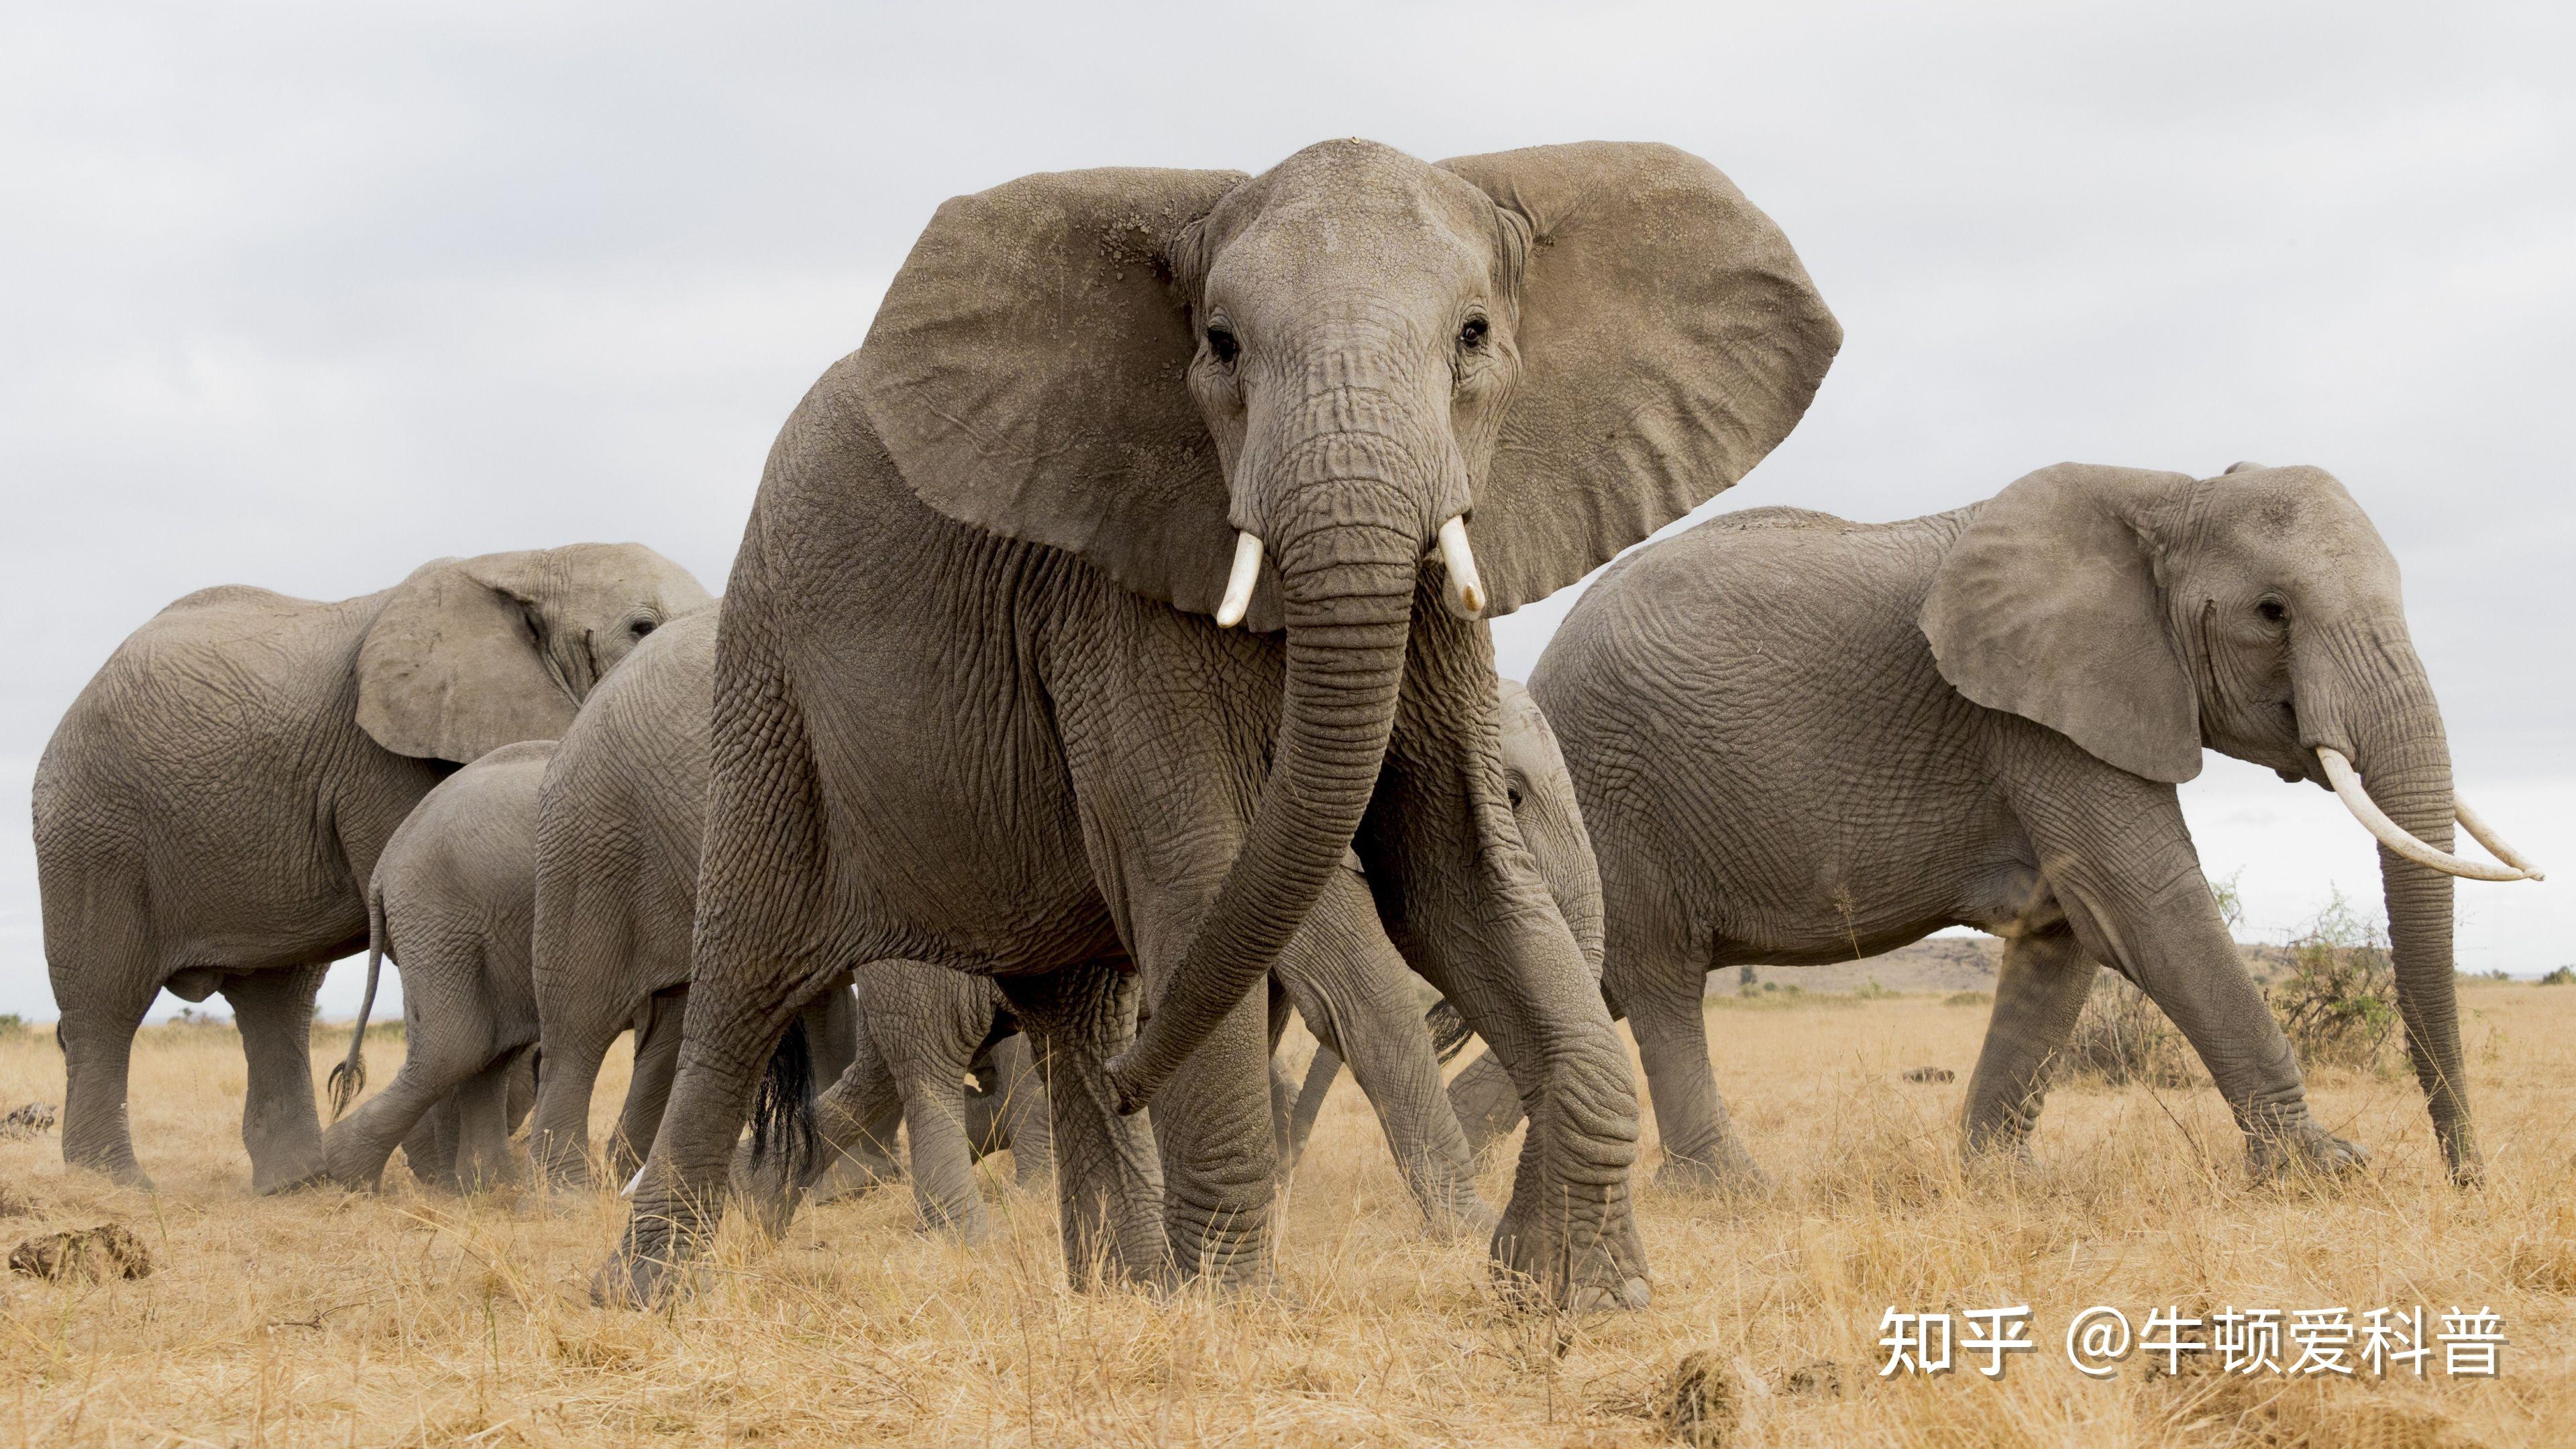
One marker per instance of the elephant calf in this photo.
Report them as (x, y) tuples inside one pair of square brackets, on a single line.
[(452, 901), (1798, 739)]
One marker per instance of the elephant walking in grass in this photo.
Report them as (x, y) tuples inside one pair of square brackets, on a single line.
[(624, 803), (211, 808), (1797, 738), (452, 902), (971, 707)]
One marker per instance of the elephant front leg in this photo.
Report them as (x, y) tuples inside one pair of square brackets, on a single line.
[(97, 1037), (1017, 1103), (2039, 994), (1109, 1182), (483, 1127), (281, 1125), (1212, 1124)]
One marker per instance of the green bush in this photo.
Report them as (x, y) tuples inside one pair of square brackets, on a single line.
[(2338, 1005), (2563, 976)]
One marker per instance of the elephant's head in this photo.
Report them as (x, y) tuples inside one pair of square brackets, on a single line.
[(472, 654), (1268, 398), (2147, 615), (1541, 791)]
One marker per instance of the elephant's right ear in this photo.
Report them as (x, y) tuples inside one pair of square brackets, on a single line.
[(2047, 607), (452, 668), (1027, 373)]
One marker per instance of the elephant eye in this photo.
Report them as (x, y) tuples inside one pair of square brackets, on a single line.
[(640, 628), (1513, 794), (1220, 340), (1472, 335), (2273, 611)]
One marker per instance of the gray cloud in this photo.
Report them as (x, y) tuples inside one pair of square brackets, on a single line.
[(302, 294)]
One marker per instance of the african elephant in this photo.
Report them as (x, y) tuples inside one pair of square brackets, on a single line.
[(211, 807), (453, 902), (1798, 739), (617, 870), (1541, 794), (971, 707)]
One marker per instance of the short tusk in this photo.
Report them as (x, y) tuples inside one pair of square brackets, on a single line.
[(2485, 835), (632, 1183), (1238, 584), (1466, 591), (2347, 787)]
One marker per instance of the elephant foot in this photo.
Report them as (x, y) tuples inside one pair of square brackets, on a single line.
[(635, 1280), (123, 1171), (850, 1175), (1589, 1264), (2310, 1155), (289, 1179), (283, 1166), (1726, 1171)]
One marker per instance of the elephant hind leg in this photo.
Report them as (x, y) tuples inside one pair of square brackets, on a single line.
[(1109, 1180), (2039, 993), (483, 1126), (648, 1091), (281, 1125), (103, 984)]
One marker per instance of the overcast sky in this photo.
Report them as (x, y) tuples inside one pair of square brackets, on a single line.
[(302, 295)]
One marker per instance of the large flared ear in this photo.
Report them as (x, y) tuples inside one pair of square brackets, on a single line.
[(2047, 607), (1027, 372), (455, 667), (1669, 339)]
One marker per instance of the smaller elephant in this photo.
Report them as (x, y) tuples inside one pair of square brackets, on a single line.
[(921, 1030), (451, 902), (1797, 739)]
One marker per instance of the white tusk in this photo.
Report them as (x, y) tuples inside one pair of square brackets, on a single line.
[(2347, 787), (1238, 584), (632, 1183), (2484, 835), (1466, 591)]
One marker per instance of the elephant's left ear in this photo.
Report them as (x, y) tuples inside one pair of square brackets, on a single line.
[(2047, 607), (1669, 339), (454, 667)]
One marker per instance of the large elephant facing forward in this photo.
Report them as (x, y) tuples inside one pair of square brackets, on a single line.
[(970, 707), (212, 805), (1796, 739)]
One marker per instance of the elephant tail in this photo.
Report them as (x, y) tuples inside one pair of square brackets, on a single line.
[(350, 1077), (1449, 1031), (782, 1118)]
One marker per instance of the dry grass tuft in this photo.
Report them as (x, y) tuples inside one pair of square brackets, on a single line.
[(323, 1318)]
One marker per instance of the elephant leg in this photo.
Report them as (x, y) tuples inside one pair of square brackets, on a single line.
[(1487, 1104), (483, 1126), (1109, 1185), (857, 1118), (97, 1037), (1018, 1101), (1307, 1105), (2039, 993), (281, 1126), (943, 1170), (559, 1137), (1355, 990), (429, 1148), (519, 1094), (832, 1031), (658, 1029), (1701, 1150)]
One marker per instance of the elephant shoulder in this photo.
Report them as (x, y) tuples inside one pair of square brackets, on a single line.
[(1773, 516)]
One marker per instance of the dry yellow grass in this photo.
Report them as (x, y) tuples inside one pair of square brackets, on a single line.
[(328, 1319)]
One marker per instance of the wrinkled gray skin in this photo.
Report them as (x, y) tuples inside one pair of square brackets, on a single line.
[(1798, 740), (1541, 792), (211, 807), (970, 709), (453, 903), (617, 887)]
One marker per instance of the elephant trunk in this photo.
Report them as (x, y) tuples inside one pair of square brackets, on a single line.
[(2404, 760), (1346, 586)]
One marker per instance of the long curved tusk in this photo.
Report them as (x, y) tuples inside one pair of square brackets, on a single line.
[(1238, 584), (2485, 835), (1466, 591), (2347, 788)]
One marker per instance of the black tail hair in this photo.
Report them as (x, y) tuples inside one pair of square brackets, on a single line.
[(1449, 1031), (782, 1118)]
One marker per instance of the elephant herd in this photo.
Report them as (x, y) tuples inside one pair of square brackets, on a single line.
[(1104, 673)]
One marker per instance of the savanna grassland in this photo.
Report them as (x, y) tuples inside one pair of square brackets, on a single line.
[(324, 1318)]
